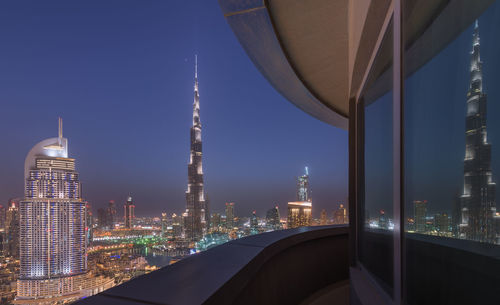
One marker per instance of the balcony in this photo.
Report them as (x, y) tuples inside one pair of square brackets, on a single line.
[(306, 265)]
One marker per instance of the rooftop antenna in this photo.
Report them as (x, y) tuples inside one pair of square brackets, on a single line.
[(196, 65), (60, 132)]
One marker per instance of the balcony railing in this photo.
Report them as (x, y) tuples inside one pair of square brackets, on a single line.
[(296, 266)]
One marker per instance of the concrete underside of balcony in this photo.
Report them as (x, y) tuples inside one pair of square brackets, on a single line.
[(298, 266)]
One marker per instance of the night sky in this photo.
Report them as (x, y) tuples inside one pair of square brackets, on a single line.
[(120, 73)]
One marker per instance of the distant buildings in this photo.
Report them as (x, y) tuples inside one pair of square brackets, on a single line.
[(383, 222), (164, 224), (299, 214), (89, 225), (230, 215), (129, 210), (254, 223), (12, 228), (303, 191), (197, 219), (323, 219), (300, 211), (273, 219), (420, 212), (52, 224), (111, 217), (340, 215)]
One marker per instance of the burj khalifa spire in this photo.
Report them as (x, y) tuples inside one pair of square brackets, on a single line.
[(197, 216)]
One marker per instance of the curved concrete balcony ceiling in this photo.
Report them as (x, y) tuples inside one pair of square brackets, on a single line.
[(301, 48)]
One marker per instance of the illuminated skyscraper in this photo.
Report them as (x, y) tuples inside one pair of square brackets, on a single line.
[(53, 251), (420, 212), (323, 219), (230, 215), (340, 215), (303, 191), (89, 226), (478, 199), (164, 224), (254, 223), (111, 215), (273, 218), (129, 213), (299, 214), (197, 220), (12, 228)]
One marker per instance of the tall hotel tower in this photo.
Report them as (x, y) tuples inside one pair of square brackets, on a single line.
[(477, 202), (53, 250), (197, 217)]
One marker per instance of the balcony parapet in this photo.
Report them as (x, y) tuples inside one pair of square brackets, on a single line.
[(280, 267)]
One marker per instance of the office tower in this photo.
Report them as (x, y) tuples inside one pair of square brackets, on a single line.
[(303, 191), (2, 217), (299, 214), (340, 215), (323, 219), (442, 223), (273, 218), (177, 227), (478, 199), (12, 228), (53, 252), (111, 215), (89, 227), (102, 218), (230, 215), (254, 223), (164, 224), (129, 215), (383, 222), (215, 221), (420, 213), (198, 216)]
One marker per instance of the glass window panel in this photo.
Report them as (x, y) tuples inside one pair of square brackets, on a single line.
[(451, 153), (376, 232)]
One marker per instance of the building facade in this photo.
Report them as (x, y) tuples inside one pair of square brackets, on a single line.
[(303, 190), (299, 214), (197, 220), (420, 212), (478, 199), (52, 223), (273, 218), (129, 213), (111, 215), (230, 215)]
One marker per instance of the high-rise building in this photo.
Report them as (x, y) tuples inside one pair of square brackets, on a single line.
[(442, 223), (230, 215), (478, 199), (303, 190), (111, 215), (420, 212), (197, 220), (323, 219), (215, 222), (164, 224), (102, 221), (299, 214), (89, 226), (3, 211), (53, 252), (177, 227), (129, 209), (383, 222), (12, 228), (273, 218), (340, 215), (254, 223)]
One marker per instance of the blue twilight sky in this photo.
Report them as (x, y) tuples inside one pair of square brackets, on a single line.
[(120, 73)]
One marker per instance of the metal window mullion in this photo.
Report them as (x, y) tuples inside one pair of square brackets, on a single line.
[(397, 137)]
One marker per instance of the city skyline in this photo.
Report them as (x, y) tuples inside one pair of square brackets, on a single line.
[(126, 119)]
